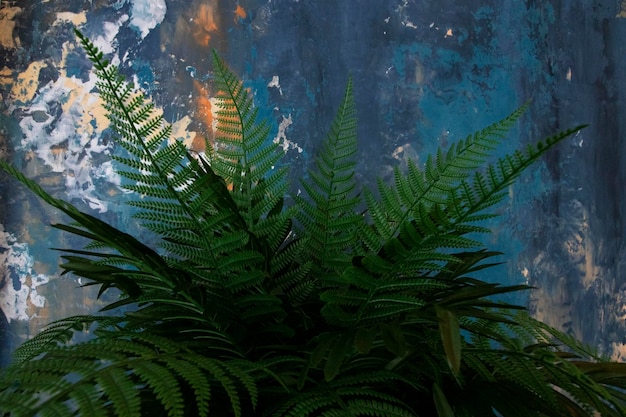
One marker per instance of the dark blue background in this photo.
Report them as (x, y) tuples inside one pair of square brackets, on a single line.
[(426, 74)]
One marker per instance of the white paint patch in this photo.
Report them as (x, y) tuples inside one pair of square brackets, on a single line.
[(215, 107), (67, 141), (180, 132), (76, 18), (147, 14), (403, 14), (19, 291), (281, 136), (275, 83), (106, 42)]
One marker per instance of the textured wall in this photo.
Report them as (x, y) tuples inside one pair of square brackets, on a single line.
[(426, 73)]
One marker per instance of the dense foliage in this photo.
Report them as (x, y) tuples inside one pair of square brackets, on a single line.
[(344, 303)]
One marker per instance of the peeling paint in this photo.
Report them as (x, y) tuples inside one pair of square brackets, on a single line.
[(147, 15), (281, 136), (77, 19), (65, 142), (275, 83), (106, 42), (402, 11), (205, 22), (27, 82), (6, 76), (205, 107), (19, 299), (180, 132), (7, 25)]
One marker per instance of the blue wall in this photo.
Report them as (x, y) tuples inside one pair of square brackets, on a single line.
[(426, 73)]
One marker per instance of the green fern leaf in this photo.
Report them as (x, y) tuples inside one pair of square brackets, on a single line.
[(121, 392), (450, 337), (168, 172), (163, 382), (198, 382), (88, 401), (441, 176), (376, 408), (244, 157), (442, 405), (329, 217), (337, 353)]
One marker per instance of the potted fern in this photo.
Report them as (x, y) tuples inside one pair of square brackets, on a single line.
[(250, 307)]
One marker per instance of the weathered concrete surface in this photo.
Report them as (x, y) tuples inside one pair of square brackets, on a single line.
[(426, 73)]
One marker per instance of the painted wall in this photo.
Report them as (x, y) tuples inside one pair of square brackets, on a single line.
[(426, 73)]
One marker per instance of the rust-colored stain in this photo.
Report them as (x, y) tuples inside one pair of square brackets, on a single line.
[(27, 83), (203, 113), (7, 24), (240, 14), (198, 143), (205, 22)]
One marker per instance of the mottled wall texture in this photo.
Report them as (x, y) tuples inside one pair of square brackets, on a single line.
[(426, 73)]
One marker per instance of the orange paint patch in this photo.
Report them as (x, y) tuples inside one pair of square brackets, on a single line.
[(240, 14), (204, 116), (198, 144), (203, 106), (7, 14), (205, 23)]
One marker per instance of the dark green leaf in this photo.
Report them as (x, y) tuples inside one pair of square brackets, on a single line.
[(450, 332)]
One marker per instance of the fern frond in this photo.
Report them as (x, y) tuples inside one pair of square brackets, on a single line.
[(128, 373), (329, 219), (355, 394), (440, 177), (403, 214), (295, 282), (245, 157), (408, 224), (167, 172), (121, 391), (56, 333), (488, 189)]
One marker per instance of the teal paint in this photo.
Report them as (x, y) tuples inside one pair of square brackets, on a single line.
[(142, 70)]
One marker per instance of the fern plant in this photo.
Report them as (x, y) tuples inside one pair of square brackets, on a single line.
[(347, 303)]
